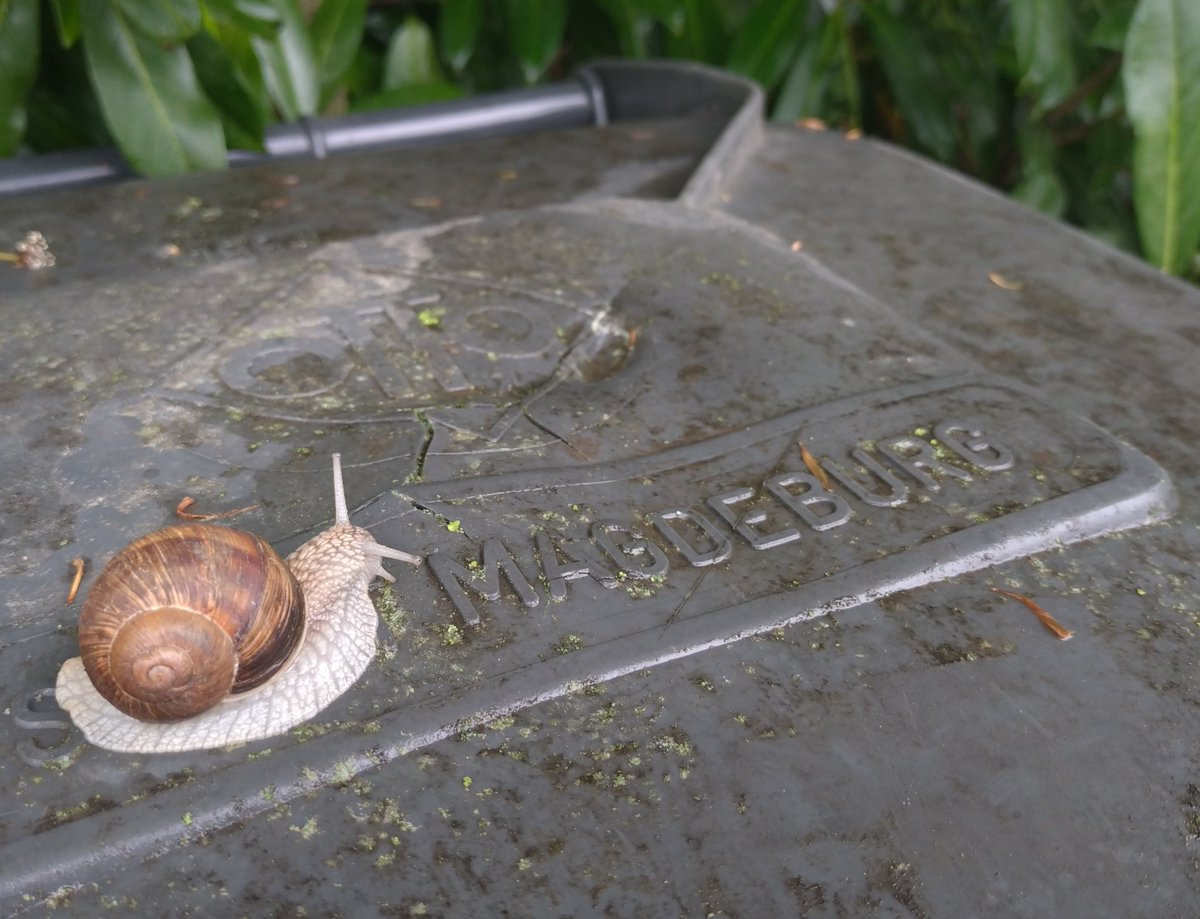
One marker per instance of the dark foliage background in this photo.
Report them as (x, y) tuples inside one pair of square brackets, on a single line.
[(1088, 110)]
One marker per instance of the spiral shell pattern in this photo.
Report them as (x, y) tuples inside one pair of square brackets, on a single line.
[(182, 617)]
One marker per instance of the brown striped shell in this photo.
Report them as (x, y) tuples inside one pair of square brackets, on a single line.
[(182, 617)]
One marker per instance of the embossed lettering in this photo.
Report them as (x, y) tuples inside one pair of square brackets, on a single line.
[(627, 554), (513, 332), (896, 494), (363, 340), (244, 368), (744, 525), (484, 580), (915, 456), (447, 373), (703, 540), (971, 444), (721, 547), (812, 496), (51, 741), (582, 554)]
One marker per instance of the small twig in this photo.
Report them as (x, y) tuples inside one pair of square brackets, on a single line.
[(1098, 80), (181, 511), (78, 564), (1044, 617)]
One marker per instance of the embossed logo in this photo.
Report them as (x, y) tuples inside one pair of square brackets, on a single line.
[(430, 341)]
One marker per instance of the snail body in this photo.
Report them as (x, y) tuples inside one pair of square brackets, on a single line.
[(171, 611)]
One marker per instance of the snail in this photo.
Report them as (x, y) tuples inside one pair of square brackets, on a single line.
[(200, 636)]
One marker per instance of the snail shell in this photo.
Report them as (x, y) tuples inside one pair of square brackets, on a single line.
[(183, 617), (240, 597)]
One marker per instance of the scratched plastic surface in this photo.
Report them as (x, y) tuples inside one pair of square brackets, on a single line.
[(586, 414)]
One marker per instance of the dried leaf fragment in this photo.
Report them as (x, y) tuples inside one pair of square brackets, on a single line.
[(181, 511), (1002, 282), (813, 465), (1044, 617)]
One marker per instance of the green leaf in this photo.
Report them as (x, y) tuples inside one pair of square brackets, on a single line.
[(18, 66), (410, 56), (238, 95), (971, 64), (1162, 92), (365, 75), (165, 20), (288, 63), (151, 100), (1043, 191), (632, 25), (767, 40), (807, 81), (671, 13), (1111, 28), (1097, 178), (337, 31), (535, 31), (412, 94), (64, 112), (66, 21), (1045, 51), (915, 80), (1040, 186), (848, 58), (458, 31), (702, 35), (252, 17)]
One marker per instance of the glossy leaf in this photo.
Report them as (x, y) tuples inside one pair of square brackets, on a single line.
[(458, 31), (848, 61), (18, 67), (288, 63), (410, 57), (535, 32), (972, 67), (66, 21), (365, 75), (633, 26), (337, 31), (1044, 47), (150, 97), (1097, 179), (165, 20), (805, 87), (767, 41), (914, 79), (1111, 28), (63, 111), (1162, 92), (671, 13), (702, 35), (412, 94), (251, 17), (1040, 186), (238, 96)]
